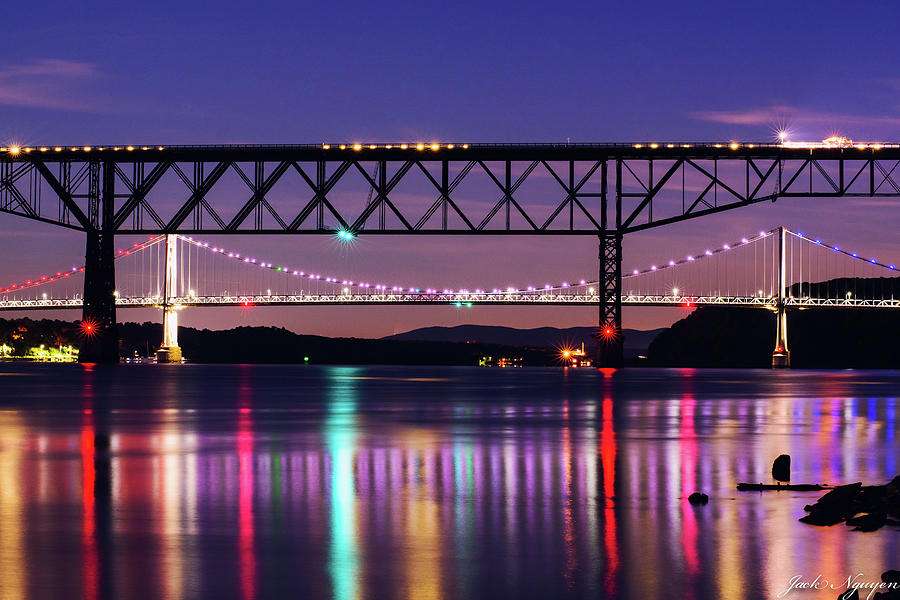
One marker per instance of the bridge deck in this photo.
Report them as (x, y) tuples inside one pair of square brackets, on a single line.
[(502, 299), (436, 151)]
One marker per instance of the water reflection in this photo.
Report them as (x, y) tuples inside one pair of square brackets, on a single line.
[(360, 482), (340, 438), (246, 460)]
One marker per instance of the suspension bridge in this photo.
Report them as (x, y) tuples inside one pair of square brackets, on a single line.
[(773, 270), (174, 195)]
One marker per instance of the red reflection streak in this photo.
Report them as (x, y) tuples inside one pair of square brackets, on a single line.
[(89, 561), (608, 465), (245, 501), (688, 438), (568, 524)]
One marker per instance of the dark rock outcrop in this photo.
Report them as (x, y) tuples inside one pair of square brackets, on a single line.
[(781, 468), (698, 499), (864, 508)]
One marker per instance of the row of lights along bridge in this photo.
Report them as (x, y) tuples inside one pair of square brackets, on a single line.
[(834, 141)]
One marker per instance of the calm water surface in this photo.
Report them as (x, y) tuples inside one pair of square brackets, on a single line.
[(196, 481)]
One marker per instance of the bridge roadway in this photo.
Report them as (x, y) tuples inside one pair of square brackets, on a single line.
[(441, 299)]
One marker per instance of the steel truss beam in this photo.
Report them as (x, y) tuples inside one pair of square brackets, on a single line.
[(539, 189)]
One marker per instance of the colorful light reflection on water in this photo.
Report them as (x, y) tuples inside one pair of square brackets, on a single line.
[(361, 482)]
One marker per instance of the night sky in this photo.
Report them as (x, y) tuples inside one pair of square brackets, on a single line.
[(289, 72)]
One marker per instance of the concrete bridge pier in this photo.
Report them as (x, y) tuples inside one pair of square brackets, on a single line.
[(781, 356), (170, 351), (99, 332)]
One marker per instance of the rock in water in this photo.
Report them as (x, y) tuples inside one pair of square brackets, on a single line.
[(872, 521), (698, 499), (891, 579), (781, 468), (841, 495)]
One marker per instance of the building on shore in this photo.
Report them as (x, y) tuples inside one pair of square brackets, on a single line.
[(575, 357), (504, 362)]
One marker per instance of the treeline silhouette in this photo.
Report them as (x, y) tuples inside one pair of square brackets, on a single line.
[(269, 345), (714, 336)]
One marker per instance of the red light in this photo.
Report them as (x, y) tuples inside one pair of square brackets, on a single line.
[(608, 332), (88, 328)]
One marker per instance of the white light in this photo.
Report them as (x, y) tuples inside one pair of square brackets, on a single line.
[(674, 291)]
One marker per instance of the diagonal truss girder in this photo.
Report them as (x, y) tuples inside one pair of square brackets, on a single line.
[(519, 189)]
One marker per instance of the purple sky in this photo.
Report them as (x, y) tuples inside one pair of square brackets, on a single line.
[(284, 72)]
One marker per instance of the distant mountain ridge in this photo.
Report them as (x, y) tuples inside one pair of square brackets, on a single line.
[(636, 341)]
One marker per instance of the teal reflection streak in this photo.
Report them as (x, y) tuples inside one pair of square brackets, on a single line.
[(340, 436), (464, 525)]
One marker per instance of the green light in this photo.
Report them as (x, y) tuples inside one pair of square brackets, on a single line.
[(306, 359), (458, 304), (345, 235), (468, 305)]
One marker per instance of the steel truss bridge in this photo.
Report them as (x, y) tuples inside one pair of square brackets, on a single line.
[(418, 188)]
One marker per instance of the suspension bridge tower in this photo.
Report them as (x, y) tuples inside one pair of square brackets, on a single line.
[(170, 351), (781, 356)]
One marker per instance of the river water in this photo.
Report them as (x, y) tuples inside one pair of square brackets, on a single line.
[(201, 481)]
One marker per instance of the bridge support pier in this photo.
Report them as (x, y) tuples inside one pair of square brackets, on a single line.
[(781, 356), (170, 351), (610, 350), (100, 336)]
